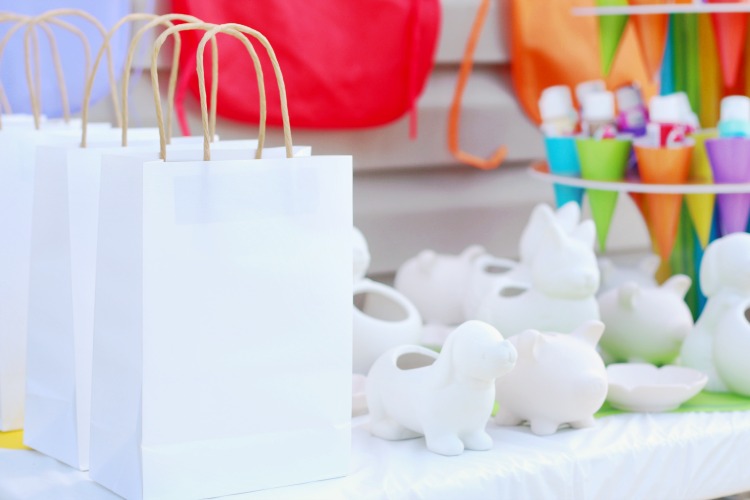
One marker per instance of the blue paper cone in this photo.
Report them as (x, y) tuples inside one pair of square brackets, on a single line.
[(562, 158)]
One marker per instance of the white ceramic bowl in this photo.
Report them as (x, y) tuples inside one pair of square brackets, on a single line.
[(645, 388)]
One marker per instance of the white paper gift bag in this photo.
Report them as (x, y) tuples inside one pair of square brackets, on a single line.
[(222, 332)]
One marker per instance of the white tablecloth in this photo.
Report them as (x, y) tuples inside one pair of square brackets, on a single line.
[(634, 456)]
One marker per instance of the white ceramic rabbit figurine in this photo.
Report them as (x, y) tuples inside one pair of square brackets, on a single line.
[(448, 398), (725, 280), (487, 270), (646, 324), (564, 279), (558, 379)]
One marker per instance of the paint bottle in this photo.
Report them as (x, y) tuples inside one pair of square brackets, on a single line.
[(598, 115), (735, 116), (559, 117)]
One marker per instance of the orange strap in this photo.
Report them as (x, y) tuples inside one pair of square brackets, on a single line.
[(455, 112)]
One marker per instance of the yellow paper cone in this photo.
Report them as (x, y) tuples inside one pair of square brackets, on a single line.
[(701, 206)]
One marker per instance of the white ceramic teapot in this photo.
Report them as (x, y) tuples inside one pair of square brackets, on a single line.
[(646, 323), (447, 398), (558, 379), (360, 254), (564, 278), (725, 281)]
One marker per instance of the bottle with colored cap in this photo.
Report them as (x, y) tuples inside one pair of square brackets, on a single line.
[(735, 116), (598, 115), (633, 115), (671, 117), (583, 89), (559, 117)]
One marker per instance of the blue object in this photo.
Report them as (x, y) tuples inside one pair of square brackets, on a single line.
[(13, 72), (734, 128), (562, 158)]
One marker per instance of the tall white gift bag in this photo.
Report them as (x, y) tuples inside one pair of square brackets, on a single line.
[(222, 331)]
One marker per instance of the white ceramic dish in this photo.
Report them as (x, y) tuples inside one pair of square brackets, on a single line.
[(643, 387)]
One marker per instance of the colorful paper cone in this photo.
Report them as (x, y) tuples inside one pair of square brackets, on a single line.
[(730, 163), (710, 75), (669, 165), (603, 160), (701, 206), (730, 30), (562, 159), (611, 29), (651, 31)]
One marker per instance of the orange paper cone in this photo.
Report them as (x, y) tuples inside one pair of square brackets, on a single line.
[(664, 166), (730, 30), (652, 36)]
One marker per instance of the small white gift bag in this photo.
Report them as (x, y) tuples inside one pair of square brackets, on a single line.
[(18, 141), (222, 331)]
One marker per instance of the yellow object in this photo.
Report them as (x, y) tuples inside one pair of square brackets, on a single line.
[(12, 440), (701, 206), (710, 75)]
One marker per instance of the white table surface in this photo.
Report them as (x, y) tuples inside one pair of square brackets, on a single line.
[(633, 456)]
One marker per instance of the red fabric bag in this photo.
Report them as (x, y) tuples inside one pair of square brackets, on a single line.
[(346, 64)]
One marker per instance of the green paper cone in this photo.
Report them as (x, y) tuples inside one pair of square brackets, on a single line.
[(603, 160), (611, 29)]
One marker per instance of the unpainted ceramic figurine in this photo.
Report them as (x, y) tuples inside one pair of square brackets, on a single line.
[(558, 379), (447, 398), (361, 254), (436, 283), (564, 278), (725, 281), (382, 318), (642, 274), (732, 349), (646, 324)]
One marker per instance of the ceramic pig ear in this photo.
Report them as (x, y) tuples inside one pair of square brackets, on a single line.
[(627, 294), (650, 264), (589, 332), (586, 232), (679, 284), (568, 216), (529, 342), (425, 259), (473, 252)]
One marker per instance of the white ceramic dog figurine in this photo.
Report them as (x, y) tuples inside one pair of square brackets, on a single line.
[(646, 324), (558, 379), (725, 280), (564, 279), (447, 398)]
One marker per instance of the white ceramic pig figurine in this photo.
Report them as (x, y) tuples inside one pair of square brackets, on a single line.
[(446, 398), (558, 379), (725, 280), (642, 274), (646, 324), (436, 283), (564, 279)]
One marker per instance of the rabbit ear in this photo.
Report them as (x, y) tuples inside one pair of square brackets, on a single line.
[(709, 271), (541, 217), (627, 294), (679, 284), (568, 216), (586, 232)]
